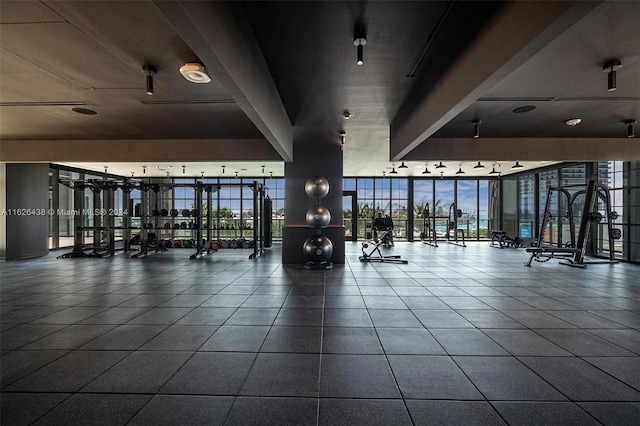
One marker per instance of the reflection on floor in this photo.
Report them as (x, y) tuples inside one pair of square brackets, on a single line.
[(457, 336)]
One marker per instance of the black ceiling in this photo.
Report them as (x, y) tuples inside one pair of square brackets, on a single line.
[(56, 55)]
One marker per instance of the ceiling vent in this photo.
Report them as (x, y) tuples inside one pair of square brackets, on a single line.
[(195, 73)]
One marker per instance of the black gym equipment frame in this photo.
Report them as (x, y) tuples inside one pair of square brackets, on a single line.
[(573, 252), (428, 234), (203, 246), (371, 249), (103, 217)]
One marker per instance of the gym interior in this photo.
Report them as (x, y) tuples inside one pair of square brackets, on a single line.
[(319, 213)]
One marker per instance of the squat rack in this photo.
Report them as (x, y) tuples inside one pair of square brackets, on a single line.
[(428, 234), (573, 252), (103, 215)]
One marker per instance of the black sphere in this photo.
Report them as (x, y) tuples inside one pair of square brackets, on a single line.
[(318, 217), (317, 187), (317, 249)]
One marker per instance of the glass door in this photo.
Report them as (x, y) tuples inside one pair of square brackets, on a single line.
[(349, 215)]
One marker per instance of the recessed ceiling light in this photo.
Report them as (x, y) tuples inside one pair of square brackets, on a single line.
[(573, 121), (195, 73), (522, 109), (84, 111)]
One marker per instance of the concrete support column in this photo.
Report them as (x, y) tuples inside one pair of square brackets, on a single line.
[(315, 154), (27, 210)]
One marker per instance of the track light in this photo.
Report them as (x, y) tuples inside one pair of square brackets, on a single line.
[(262, 169), (105, 169), (630, 124), (393, 171), (476, 128), (494, 171), (426, 171), (149, 71), (460, 171), (517, 166), (479, 166), (183, 169), (611, 67), (144, 170), (360, 42), (343, 137), (441, 166), (201, 174), (223, 169), (403, 166)]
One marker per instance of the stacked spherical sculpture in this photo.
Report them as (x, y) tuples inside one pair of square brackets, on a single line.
[(317, 249)]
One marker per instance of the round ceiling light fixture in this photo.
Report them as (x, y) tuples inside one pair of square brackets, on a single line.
[(573, 121), (195, 73)]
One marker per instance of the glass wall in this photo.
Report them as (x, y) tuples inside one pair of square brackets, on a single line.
[(552, 227), (526, 206), (275, 190), (422, 205), (518, 210), (483, 209), (612, 174), (509, 206), (478, 201), (467, 201), (633, 235), (399, 207)]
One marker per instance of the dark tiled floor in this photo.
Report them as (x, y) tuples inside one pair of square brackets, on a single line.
[(457, 336)]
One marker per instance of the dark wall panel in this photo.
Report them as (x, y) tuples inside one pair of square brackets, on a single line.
[(27, 193)]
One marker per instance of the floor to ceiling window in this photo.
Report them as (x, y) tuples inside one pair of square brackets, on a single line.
[(467, 201), (477, 200), (552, 232), (422, 206), (612, 174), (634, 212), (399, 207)]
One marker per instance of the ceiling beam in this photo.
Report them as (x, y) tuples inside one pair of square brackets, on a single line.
[(137, 150), (220, 35), (527, 149), (518, 32)]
